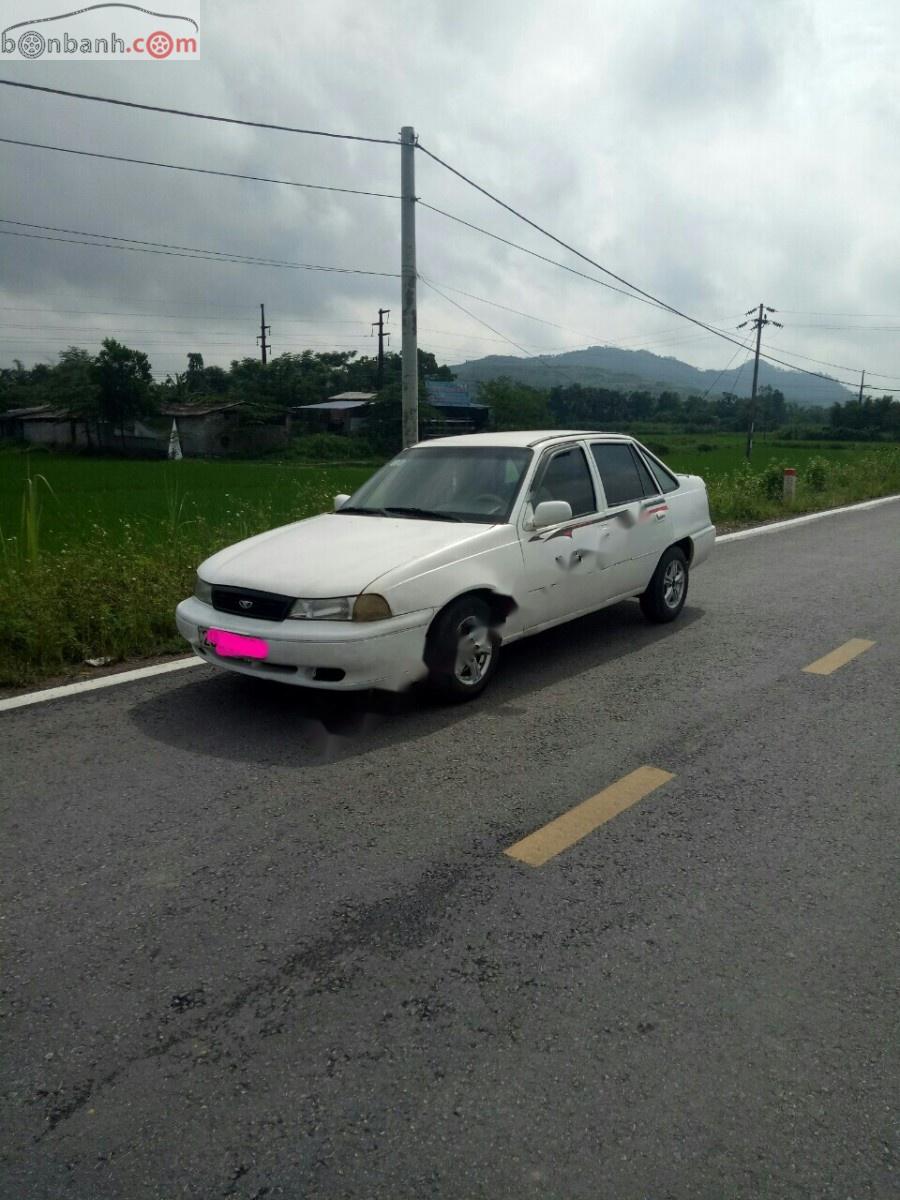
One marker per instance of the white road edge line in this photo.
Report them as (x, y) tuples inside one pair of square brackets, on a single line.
[(90, 685), (775, 526)]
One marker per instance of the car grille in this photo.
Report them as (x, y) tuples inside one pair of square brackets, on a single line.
[(245, 602)]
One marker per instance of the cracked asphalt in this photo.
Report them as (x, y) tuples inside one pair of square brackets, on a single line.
[(260, 942)]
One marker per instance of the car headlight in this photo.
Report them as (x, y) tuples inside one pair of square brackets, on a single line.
[(367, 607), (203, 590)]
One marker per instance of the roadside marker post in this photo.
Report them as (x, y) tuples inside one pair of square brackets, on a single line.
[(790, 484)]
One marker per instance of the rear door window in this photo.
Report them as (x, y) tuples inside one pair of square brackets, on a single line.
[(618, 467)]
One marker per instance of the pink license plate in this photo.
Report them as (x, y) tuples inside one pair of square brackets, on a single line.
[(235, 645)]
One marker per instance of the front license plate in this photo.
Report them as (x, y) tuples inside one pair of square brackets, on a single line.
[(235, 645)]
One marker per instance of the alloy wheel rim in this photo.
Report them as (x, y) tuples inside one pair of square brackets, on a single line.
[(474, 651), (673, 584)]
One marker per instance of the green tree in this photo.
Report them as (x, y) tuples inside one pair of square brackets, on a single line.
[(73, 387), (384, 419), (515, 405), (124, 381)]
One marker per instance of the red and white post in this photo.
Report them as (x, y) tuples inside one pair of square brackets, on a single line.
[(790, 484)]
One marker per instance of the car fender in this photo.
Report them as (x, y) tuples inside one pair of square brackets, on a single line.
[(496, 567)]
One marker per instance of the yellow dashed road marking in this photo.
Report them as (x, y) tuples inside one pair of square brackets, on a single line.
[(839, 658), (578, 822)]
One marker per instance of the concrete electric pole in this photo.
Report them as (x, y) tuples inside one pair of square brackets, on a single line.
[(379, 325), (758, 321), (261, 336), (409, 376)]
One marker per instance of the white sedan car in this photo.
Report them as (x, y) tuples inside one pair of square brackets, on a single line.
[(453, 548)]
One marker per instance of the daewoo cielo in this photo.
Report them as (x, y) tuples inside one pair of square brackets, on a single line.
[(453, 549)]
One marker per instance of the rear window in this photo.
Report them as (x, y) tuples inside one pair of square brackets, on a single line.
[(667, 481)]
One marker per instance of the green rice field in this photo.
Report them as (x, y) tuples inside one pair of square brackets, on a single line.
[(151, 498)]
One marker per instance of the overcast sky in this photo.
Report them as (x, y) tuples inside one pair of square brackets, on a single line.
[(714, 154)]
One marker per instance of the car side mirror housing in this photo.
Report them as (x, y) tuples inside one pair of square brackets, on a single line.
[(340, 500), (551, 512)]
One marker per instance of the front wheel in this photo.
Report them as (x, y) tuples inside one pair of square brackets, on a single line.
[(667, 591), (462, 650)]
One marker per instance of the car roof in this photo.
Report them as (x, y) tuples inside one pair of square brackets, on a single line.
[(523, 437)]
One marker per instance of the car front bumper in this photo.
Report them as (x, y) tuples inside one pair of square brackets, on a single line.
[(335, 655)]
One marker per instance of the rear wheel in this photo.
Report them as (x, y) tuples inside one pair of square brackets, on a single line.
[(667, 591), (462, 650)]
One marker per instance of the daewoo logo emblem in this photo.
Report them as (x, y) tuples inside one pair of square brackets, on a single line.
[(245, 603)]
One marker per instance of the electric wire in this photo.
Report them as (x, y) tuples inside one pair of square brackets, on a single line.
[(179, 112), (217, 257), (434, 288), (746, 346), (534, 254), (638, 291), (146, 162)]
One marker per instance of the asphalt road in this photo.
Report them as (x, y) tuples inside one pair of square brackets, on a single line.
[(267, 943)]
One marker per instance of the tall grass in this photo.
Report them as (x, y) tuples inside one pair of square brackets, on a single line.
[(26, 547), (111, 593), (745, 494)]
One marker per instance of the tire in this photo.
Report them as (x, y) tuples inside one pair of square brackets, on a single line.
[(461, 665), (667, 591)]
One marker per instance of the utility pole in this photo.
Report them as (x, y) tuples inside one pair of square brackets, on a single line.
[(379, 324), (263, 330), (862, 384), (758, 321), (409, 372)]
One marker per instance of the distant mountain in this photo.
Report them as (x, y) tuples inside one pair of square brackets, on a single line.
[(639, 370)]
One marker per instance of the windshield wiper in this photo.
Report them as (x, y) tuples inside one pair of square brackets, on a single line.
[(368, 512), (429, 514)]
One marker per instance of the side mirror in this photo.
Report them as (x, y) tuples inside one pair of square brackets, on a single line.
[(551, 512), (340, 500)]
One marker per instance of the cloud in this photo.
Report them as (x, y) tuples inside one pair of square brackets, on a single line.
[(714, 155)]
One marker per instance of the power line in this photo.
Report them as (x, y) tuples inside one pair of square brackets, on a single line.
[(852, 328), (838, 366), (195, 333), (802, 312), (94, 312), (214, 256), (534, 254), (558, 366), (146, 162), (112, 237), (651, 338), (728, 368), (606, 271), (178, 112), (476, 318)]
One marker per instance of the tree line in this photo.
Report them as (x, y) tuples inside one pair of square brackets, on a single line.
[(513, 404), (116, 385)]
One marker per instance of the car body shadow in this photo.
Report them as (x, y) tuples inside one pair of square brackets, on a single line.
[(262, 721)]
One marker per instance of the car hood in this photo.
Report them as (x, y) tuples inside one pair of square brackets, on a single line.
[(331, 555)]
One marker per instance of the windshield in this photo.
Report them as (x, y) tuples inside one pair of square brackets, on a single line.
[(450, 483)]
